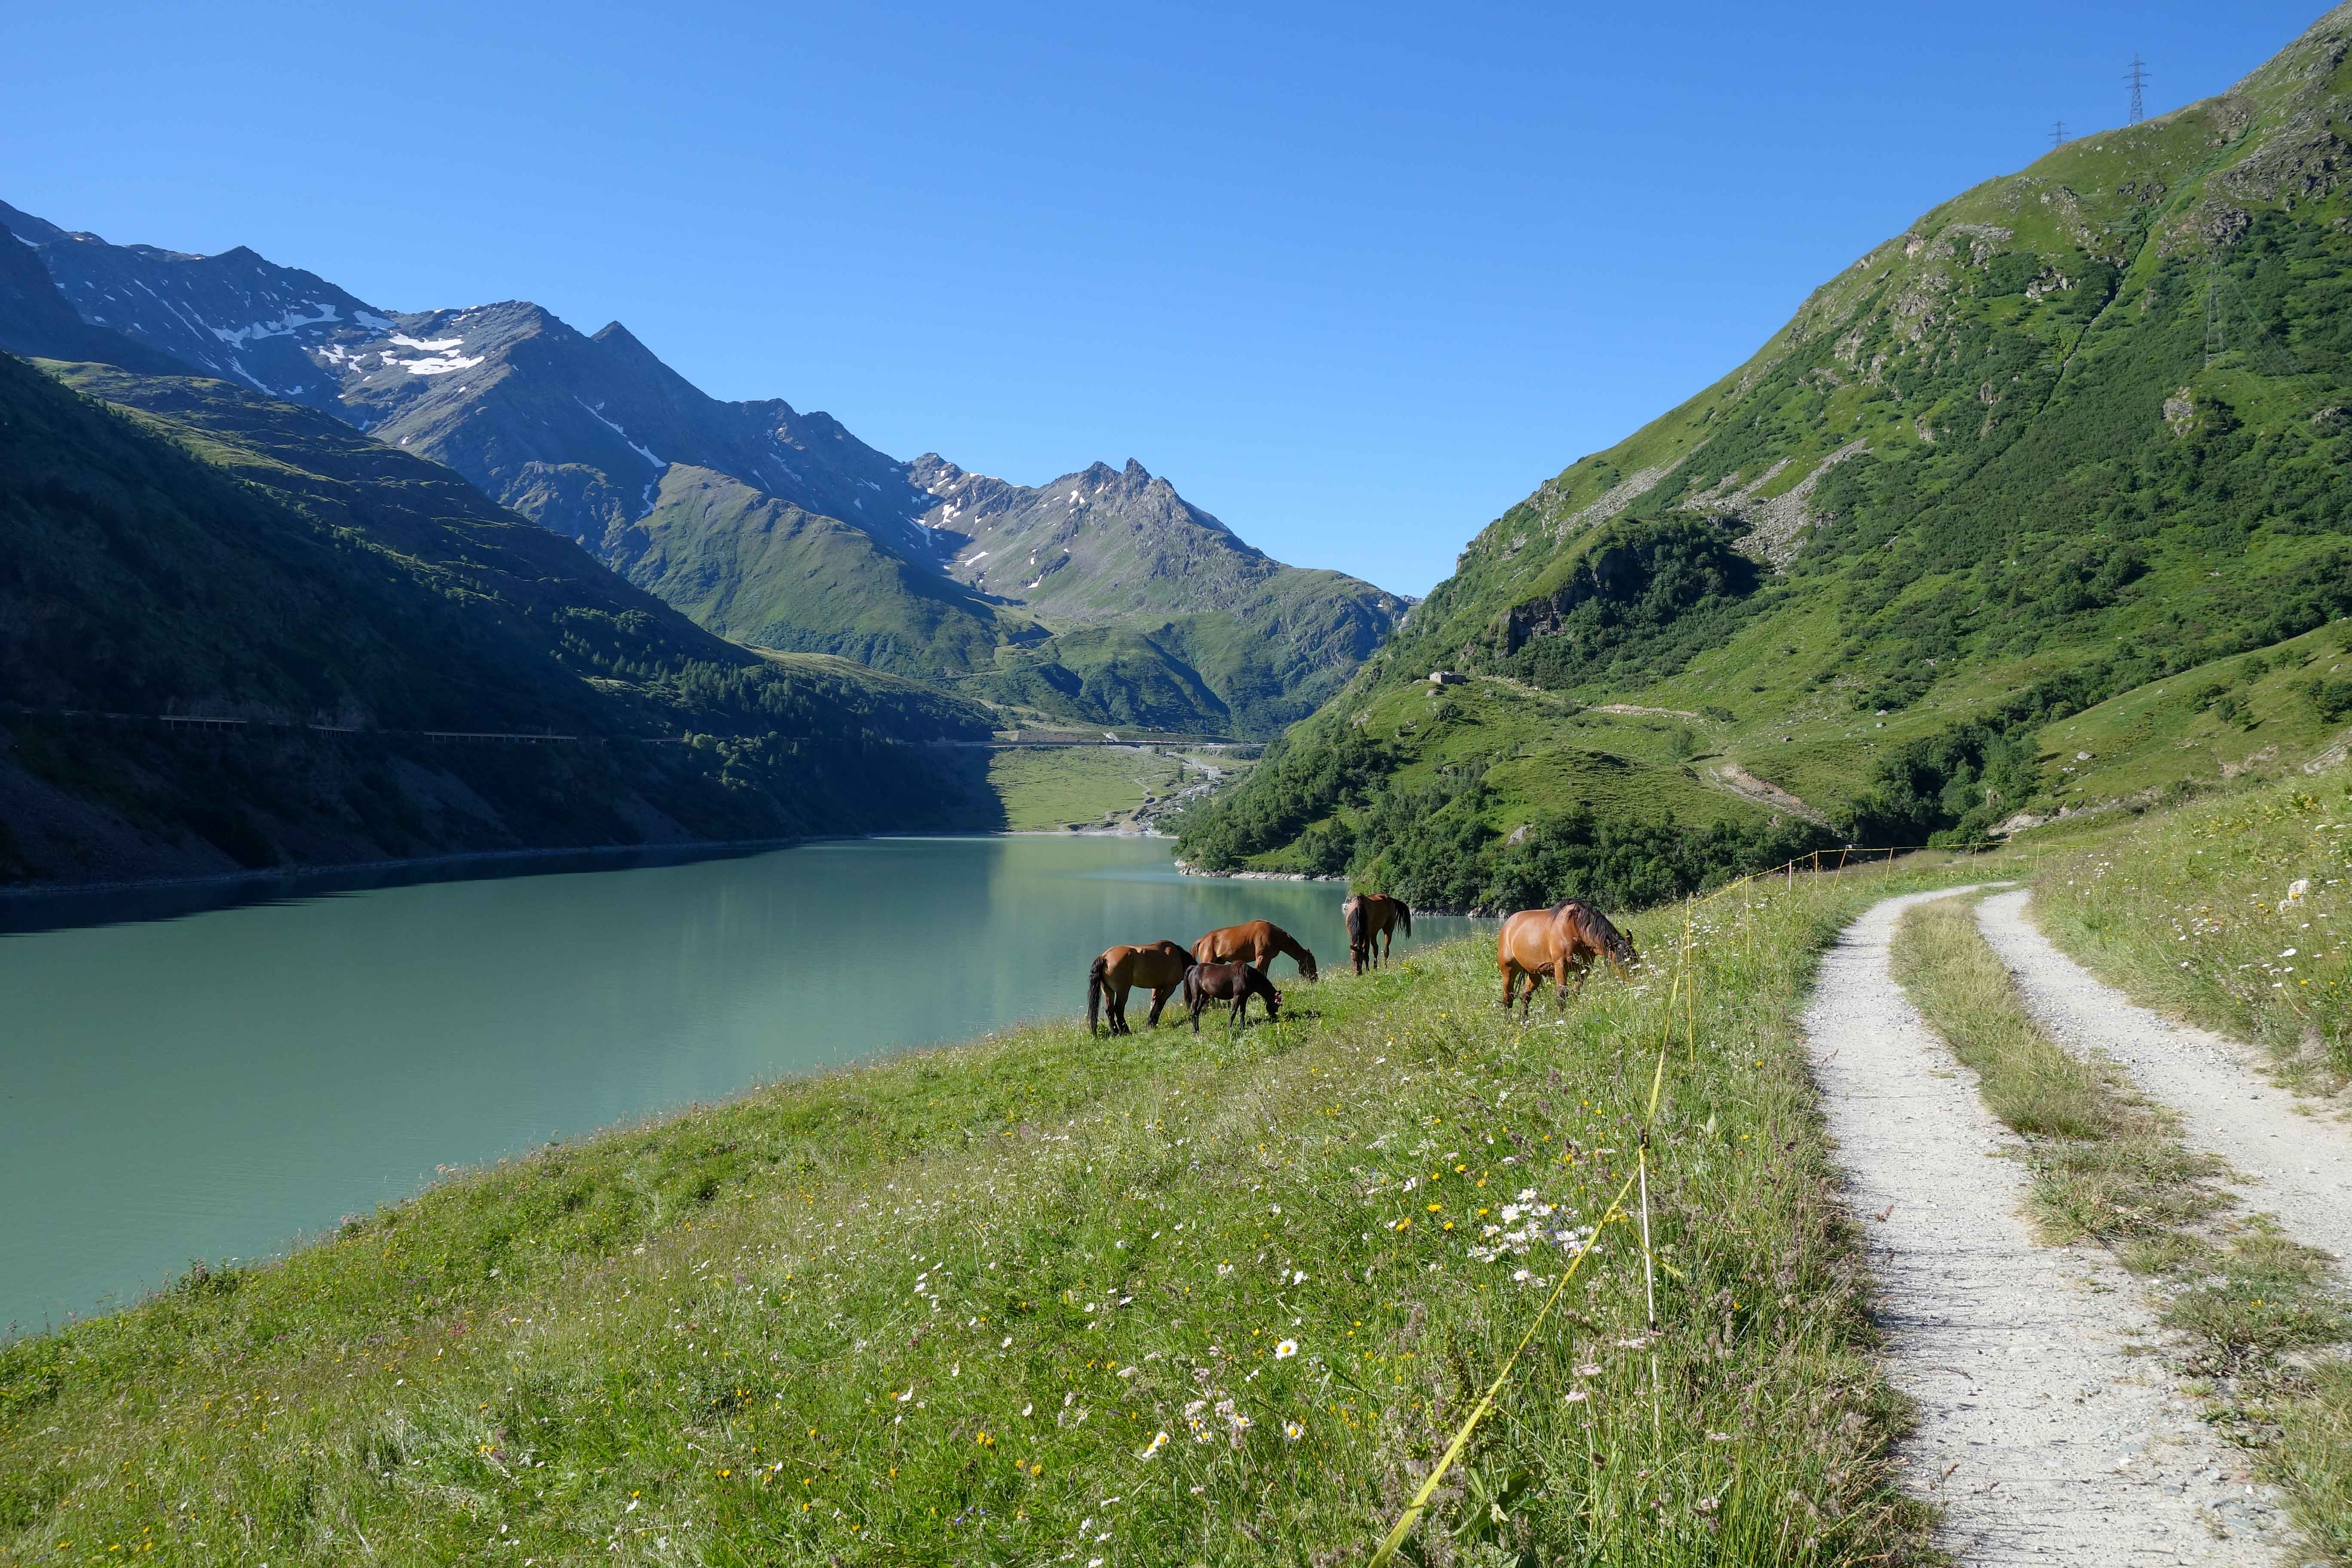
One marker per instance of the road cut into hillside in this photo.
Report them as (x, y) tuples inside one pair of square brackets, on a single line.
[(2049, 1429), (2293, 1163)]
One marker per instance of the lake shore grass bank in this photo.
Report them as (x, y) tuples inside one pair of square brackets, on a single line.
[(944, 1308)]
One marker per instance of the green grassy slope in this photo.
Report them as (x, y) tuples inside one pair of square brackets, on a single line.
[(190, 548), (760, 569), (767, 525), (2080, 430), (1108, 675), (940, 1309)]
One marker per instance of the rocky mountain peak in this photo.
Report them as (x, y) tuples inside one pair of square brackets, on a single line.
[(763, 522), (935, 474)]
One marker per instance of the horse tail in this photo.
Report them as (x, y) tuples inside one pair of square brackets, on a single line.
[(1353, 912), (1097, 981), (1405, 915)]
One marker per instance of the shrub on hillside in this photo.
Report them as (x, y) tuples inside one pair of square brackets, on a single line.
[(1647, 597), (2331, 700), (1431, 844)]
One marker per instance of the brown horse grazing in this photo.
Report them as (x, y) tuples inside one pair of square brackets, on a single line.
[(1254, 942), (1557, 942), (1159, 968), (1370, 917), (1233, 983)]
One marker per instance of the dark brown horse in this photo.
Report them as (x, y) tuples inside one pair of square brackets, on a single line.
[(1370, 917), (1556, 943), (1159, 968), (1254, 942), (1233, 983)]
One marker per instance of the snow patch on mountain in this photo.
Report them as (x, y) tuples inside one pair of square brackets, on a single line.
[(283, 325), (440, 358), (598, 414)]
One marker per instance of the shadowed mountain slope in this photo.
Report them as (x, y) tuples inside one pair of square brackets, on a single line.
[(187, 548), (36, 322)]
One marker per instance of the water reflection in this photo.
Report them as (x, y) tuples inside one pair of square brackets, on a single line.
[(184, 1082)]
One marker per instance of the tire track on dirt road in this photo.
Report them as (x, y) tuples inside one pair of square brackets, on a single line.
[(2049, 1429), (2296, 1166)]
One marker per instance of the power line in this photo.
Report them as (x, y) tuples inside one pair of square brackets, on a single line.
[(2057, 134), (2138, 80)]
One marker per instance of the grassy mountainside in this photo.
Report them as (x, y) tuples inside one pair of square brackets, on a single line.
[(2080, 432), (762, 571), (188, 548), (944, 1310)]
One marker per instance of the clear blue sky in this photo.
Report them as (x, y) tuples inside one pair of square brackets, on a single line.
[(1355, 278)]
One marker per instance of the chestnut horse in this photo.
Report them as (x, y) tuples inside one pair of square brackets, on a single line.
[(1370, 917), (1557, 942), (1159, 968), (1256, 943), (1233, 983)]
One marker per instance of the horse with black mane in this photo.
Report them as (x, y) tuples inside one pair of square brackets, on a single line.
[(1254, 942), (1233, 983), (1554, 944), (1159, 968), (1372, 917)]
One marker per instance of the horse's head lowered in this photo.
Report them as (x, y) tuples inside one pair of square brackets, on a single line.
[(1601, 933)]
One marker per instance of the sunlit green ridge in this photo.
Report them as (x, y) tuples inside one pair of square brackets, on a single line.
[(2079, 429)]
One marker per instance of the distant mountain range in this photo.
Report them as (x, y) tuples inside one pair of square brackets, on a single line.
[(768, 526)]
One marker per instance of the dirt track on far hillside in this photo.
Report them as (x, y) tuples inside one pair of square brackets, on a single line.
[(2049, 1429)]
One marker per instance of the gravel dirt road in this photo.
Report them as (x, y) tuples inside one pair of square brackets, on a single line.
[(2050, 1429), (2294, 1164)]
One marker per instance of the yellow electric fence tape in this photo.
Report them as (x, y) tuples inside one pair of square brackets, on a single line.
[(1412, 1515), (1684, 990)]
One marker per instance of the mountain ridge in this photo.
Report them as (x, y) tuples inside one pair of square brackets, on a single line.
[(181, 548), (2076, 432), (580, 432)]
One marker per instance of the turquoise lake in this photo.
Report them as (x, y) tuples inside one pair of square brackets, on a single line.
[(182, 1083)]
